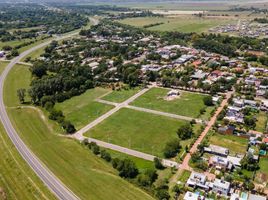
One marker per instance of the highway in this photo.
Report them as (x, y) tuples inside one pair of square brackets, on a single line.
[(49, 179)]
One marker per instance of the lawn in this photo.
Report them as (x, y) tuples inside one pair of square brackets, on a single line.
[(261, 121), (83, 109), (137, 130), (3, 64), (87, 175), (262, 173), (35, 54), (188, 104), (140, 163), (19, 77), (119, 96), (184, 176), (234, 143), (181, 23)]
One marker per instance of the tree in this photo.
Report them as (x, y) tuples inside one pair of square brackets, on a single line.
[(158, 163), (105, 155), (68, 127), (21, 95), (128, 169), (172, 148), (185, 131), (208, 100), (39, 69), (14, 53)]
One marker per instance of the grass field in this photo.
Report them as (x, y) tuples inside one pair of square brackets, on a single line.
[(154, 99), (137, 130), (140, 163), (3, 64), (261, 121), (81, 110), (182, 23), (17, 180), (234, 143), (262, 173), (121, 95), (87, 175), (35, 54), (19, 77)]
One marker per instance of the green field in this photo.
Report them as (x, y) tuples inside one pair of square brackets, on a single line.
[(154, 99), (83, 109), (261, 121), (87, 175), (140, 163), (234, 143), (3, 64), (17, 180), (137, 130), (262, 173), (121, 95), (182, 23), (35, 54)]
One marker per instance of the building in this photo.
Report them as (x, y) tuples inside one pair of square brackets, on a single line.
[(197, 180), (217, 150), (199, 75), (221, 187), (220, 163), (256, 197), (173, 93), (193, 196), (228, 130)]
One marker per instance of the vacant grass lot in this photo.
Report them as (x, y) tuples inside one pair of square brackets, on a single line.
[(81, 110), (188, 104), (234, 143), (262, 173), (137, 130), (87, 175), (182, 23), (35, 54), (120, 95), (140, 163), (261, 121)]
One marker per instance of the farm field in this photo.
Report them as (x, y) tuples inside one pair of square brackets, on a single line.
[(137, 130), (261, 121), (154, 99), (63, 155), (121, 95), (81, 110), (234, 143), (182, 23)]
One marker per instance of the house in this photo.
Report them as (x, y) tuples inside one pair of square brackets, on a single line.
[(265, 140), (256, 197), (235, 161), (216, 99), (2, 54), (199, 75), (197, 180), (228, 130), (173, 93), (221, 186), (216, 73), (217, 150), (220, 163), (193, 196)]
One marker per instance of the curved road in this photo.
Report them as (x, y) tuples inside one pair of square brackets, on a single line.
[(49, 179)]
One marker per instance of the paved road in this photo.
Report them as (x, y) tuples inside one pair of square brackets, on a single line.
[(49, 179)]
